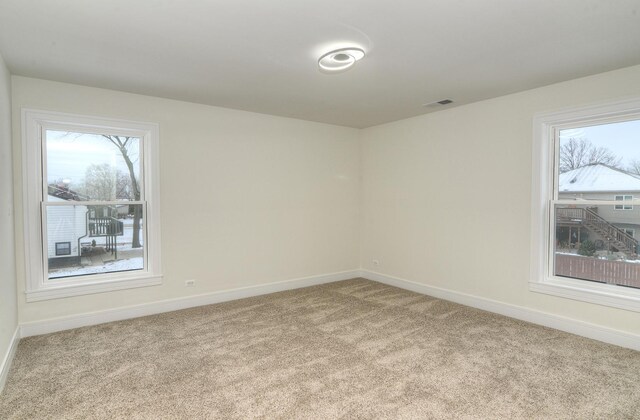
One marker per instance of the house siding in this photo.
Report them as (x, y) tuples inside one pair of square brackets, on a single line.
[(65, 224)]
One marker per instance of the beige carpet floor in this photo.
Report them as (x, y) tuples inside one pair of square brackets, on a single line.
[(351, 349)]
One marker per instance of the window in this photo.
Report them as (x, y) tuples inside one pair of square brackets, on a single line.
[(63, 248), (623, 198), (91, 198), (583, 246)]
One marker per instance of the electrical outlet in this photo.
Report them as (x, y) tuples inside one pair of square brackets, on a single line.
[(190, 283), (375, 262)]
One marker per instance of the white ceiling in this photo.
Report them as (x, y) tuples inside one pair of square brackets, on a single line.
[(261, 56)]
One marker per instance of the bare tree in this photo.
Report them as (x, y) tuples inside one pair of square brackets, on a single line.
[(578, 152), (123, 186), (125, 145), (104, 182), (634, 167)]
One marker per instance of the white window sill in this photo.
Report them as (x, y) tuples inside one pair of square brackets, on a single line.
[(586, 291), (57, 291)]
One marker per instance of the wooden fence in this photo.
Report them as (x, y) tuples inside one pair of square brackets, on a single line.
[(604, 271)]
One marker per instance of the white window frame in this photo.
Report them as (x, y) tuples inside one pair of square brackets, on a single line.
[(545, 152), (38, 286), (623, 198)]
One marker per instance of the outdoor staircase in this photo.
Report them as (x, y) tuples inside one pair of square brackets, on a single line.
[(611, 234)]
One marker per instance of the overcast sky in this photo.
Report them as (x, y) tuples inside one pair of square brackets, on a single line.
[(623, 139), (69, 155)]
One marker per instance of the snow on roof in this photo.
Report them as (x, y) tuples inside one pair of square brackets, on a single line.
[(598, 177)]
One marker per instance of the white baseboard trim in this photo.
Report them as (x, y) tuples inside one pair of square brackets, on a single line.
[(28, 329), (7, 358), (585, 329)]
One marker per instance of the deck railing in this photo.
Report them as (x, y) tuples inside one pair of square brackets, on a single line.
[(105, 226)]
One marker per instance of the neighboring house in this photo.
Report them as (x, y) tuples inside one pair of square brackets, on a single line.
[(615, 225), (68, 225), (65, 226)]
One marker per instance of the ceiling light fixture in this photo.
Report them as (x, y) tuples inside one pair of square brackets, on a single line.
[(340, 60)]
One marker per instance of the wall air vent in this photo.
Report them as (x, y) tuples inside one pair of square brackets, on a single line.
[(438, 103)]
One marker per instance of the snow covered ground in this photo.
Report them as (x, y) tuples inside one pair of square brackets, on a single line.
[(128, 257), (128, 264), (602, 255)]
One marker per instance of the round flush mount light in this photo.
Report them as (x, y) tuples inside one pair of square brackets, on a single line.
[(340, 60)]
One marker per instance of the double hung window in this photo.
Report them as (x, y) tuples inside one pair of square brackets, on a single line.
[(586, 186), (91, 204)]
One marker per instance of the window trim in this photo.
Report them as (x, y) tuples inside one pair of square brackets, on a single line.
[(544, 152), (37, 287)]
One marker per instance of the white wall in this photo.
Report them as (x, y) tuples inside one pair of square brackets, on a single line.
[(247, 198), (447, 196), (8, 311)]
